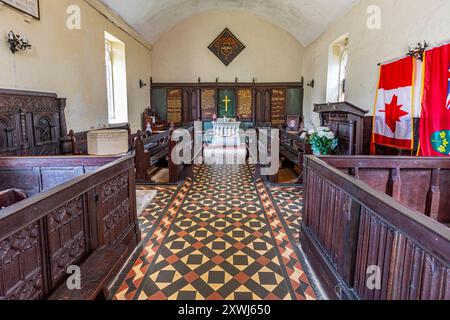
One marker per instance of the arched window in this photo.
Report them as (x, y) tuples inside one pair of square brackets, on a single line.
[(116, 80), (343, 75), (337, 69), (109, 79)]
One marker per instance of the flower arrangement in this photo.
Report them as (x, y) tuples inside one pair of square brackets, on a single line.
[(322, 140)]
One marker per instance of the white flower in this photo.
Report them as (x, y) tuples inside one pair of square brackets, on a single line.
[(311, 131), (330, 135), (322, 134)]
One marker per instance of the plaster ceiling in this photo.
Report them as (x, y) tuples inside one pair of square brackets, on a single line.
[(304, 19)]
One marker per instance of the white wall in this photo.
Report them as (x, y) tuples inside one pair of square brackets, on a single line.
[(72, 63), (182, 54), (404, 23)]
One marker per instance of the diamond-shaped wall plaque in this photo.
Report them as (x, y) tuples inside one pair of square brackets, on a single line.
[(226, 47)]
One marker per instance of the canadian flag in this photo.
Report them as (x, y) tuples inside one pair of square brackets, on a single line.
[(394, 107)]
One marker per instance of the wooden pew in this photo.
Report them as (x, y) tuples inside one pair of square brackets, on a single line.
[(10, 197), (376, 214), (96, 275), (268, 150), (178, 172), (418, 183), (77, 206), (149, 149), (293, 148)]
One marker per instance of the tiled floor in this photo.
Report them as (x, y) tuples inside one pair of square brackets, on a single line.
[(220, 236), (156, 208), (290, 203)]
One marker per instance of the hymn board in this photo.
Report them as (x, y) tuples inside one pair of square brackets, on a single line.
[(251, 103)]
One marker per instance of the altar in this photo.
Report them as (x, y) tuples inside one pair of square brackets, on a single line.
[(227, 143)]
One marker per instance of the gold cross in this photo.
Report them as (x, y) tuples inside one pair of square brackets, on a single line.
[(226, 100)]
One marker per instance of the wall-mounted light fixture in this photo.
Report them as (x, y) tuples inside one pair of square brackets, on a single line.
[(17, 43), (417, 52), (311, 83), (142, 84)]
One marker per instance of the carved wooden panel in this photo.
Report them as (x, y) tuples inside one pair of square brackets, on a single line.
[(45, 128), (31, 123), (8, 136), (21, 275), (114, 205), (34, 255), (67, 238)]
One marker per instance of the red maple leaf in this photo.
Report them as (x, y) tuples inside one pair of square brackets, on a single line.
[(394, 113)]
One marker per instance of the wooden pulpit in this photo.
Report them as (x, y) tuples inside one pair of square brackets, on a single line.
[(347, 122)]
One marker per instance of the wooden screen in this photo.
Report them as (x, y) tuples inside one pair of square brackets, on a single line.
[(254, 103), (174, 106), (159, 103), (294, 102)]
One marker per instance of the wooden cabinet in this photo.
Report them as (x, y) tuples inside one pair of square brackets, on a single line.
[(347, 122)]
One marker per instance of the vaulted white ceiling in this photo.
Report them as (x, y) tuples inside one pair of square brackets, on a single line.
[(304, 19)]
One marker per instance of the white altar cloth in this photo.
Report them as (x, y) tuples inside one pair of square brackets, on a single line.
[(226, 146)]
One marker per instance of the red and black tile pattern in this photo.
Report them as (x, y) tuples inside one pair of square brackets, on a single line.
[(289, 201), (220, 238), (154, 211)]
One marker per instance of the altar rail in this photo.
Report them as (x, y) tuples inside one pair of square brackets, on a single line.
[(226, 129), (43, 235), (348, 227)]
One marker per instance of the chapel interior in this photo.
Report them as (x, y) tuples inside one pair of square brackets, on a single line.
[(224, 150)]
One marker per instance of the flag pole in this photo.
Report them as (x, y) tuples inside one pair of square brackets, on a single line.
[(429, 47)]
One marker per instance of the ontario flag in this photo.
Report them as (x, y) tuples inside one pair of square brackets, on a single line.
[(394, 106), (435, 119)]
